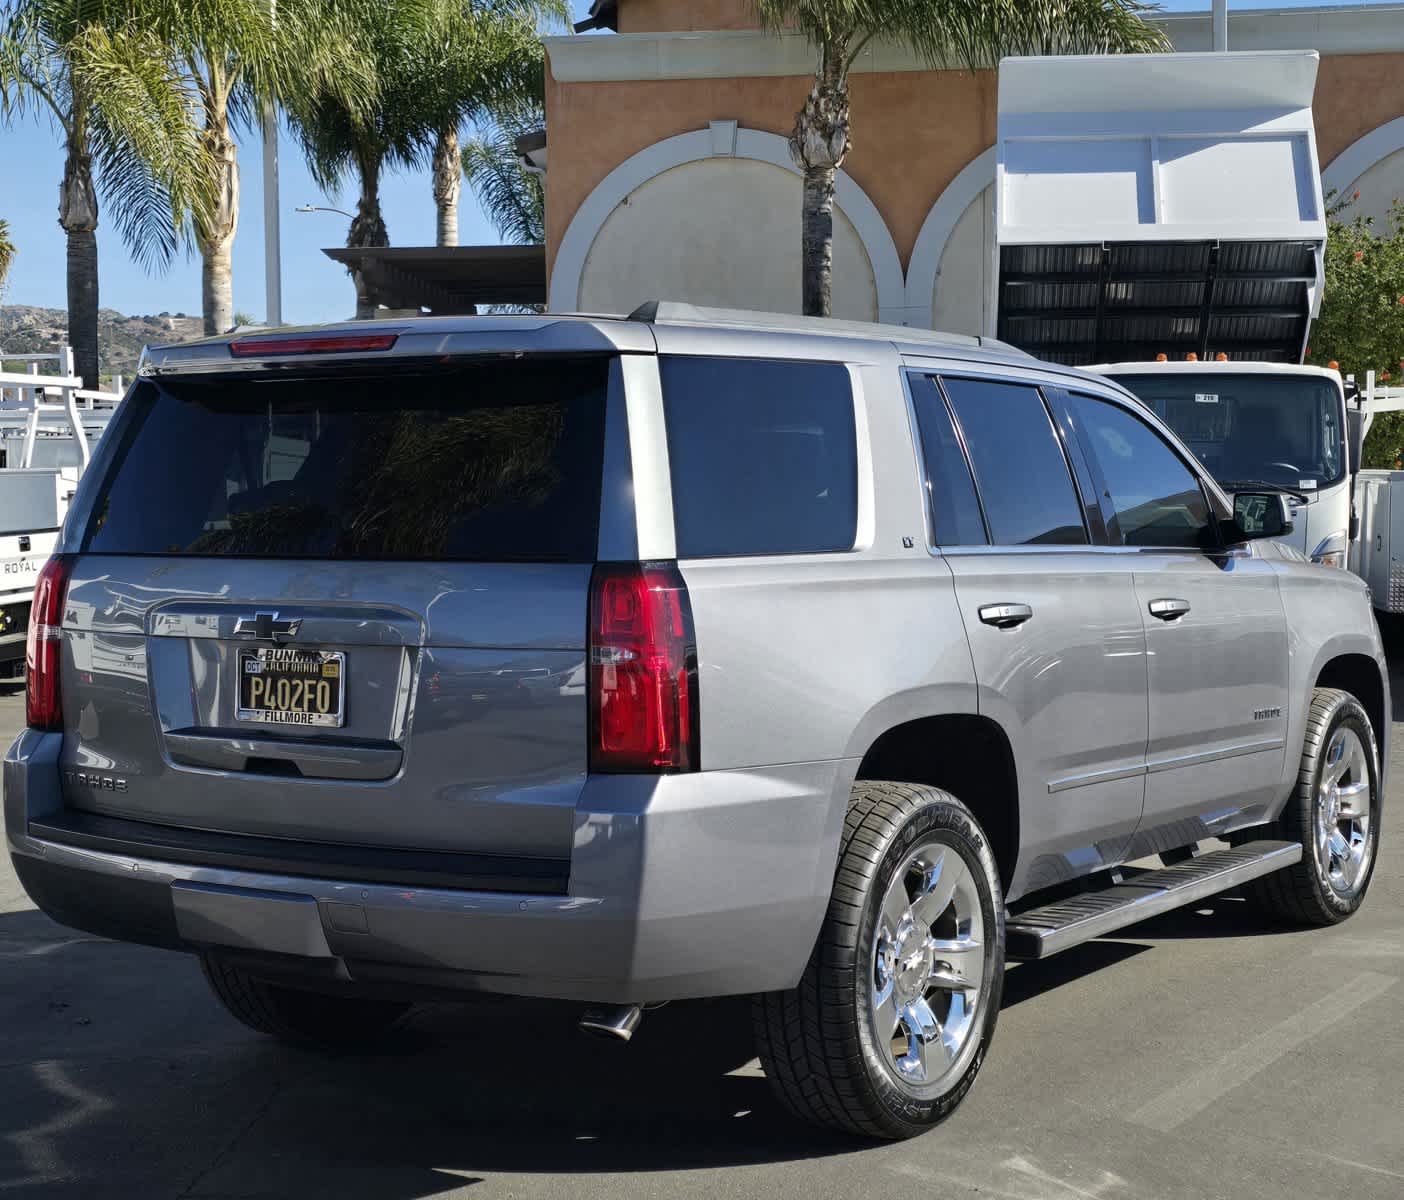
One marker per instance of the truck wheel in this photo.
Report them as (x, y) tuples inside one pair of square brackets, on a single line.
[(1334, 812), (300, 1017), (891, 1021)]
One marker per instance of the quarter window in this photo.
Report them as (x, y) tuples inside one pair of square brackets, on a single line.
[(763, 456), (955, 509), (1157, 500), (1019, 464)]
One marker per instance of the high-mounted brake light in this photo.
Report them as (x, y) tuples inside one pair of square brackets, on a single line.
[(331, 343), (42, 645), (643, 670)]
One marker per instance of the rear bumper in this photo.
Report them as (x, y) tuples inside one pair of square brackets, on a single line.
[(680, 886)]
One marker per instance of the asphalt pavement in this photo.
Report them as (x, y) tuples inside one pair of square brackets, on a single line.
[(1201, 1054)]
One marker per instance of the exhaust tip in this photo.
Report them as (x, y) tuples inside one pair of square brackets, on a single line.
[(618, 1021)]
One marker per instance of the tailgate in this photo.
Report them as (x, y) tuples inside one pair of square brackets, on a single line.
[(356, 615)]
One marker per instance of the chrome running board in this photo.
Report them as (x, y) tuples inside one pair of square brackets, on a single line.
[(1040, 932)]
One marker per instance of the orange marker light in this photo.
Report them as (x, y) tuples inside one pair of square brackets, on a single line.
[(1162, 357), (1333, 365), (1221, 357), (1191, 357)]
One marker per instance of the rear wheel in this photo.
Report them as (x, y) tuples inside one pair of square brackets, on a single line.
[(891, 1021), (301, 1017), (1334, 812)]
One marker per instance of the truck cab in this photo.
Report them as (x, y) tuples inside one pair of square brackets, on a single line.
[(1256, 424)]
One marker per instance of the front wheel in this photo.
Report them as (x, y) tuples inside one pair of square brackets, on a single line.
[(1334, 811), (892, 1019)]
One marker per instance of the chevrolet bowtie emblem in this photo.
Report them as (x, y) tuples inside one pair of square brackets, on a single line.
[(267, 627)]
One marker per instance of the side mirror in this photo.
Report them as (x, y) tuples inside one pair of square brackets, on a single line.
[(1259, 515), (1355, 437)]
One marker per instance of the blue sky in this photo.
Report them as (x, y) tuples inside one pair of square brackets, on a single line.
[(314, 288)]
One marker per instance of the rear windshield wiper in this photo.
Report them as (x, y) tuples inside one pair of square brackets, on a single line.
[(1243, 485)]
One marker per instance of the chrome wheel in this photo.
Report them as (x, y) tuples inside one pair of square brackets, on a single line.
[(1344, 798), (928, 967)]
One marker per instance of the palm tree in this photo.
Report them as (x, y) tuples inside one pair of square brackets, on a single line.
[(340, 140), (7, 253), (110, 86), (435, 63), (512, 197), (237, 58), (484, 58), (965, 34)]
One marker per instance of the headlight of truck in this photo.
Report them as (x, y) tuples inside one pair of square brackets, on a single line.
[(1331, 552)]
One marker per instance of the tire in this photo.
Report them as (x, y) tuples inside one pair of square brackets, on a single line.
[(820, 1042), (1310, 892), (299, 1017)]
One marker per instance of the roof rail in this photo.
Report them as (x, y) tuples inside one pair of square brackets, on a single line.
[(673, 312)]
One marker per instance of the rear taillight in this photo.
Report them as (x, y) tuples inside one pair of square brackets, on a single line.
[(643, 670), (41, 648)]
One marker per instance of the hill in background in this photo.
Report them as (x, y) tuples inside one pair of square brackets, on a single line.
[(28, 330)]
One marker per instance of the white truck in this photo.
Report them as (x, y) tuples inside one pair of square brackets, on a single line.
[(1162, 218), (1378, 552), (48, 424)]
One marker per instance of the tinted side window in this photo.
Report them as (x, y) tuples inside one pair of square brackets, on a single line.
[(955, 509), (485, 462), (763, 456), (1019, 465), (1156, 498)]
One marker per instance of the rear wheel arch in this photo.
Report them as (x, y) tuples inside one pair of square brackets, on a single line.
[(965, 754)]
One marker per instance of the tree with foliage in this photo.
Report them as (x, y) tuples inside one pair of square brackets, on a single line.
[(1361, 325), (110, 86), (512, 197), (7, 253), (435, 63), (340, 140), (960, 34), (485, 59), (236, 58)]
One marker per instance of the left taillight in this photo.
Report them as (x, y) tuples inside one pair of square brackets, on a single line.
[(42, 645)]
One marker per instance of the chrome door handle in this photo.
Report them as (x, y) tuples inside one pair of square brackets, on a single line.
[(1005, 616), (1169, 610)]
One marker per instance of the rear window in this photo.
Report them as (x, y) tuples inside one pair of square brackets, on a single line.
[(495, 462), (763, 456)]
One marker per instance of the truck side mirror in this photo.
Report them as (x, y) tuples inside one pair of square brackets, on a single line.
[(1259, 515), (1355, 437)]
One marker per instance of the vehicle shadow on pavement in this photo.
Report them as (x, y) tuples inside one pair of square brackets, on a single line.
[(119, 1074)]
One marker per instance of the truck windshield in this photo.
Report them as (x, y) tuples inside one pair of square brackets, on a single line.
[(1270, 428)]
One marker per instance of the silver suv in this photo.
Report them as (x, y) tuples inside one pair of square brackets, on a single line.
[(684, 655)]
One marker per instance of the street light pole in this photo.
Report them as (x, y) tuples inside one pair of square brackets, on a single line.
[(272, 228), (1220, 25), (272, 231)]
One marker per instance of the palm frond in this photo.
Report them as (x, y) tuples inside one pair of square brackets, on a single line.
[(512, 198), (151, 163), (972, 33)]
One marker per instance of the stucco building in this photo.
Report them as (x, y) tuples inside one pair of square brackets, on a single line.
[(670, 174)]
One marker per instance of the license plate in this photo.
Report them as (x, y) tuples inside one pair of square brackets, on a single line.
[(292, 687)]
